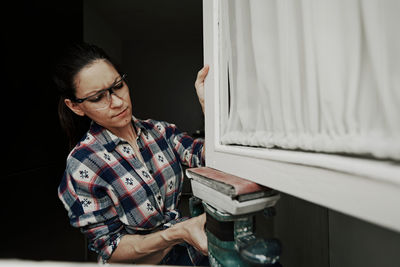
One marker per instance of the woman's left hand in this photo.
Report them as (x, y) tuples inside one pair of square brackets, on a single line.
[(194, 233), (199, 84)]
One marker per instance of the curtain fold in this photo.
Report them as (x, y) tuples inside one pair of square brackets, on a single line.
[(313, 75)]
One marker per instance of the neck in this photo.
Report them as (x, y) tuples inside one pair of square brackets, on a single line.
[(128, 132)]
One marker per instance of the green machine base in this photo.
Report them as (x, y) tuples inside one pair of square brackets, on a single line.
[(231, 238)]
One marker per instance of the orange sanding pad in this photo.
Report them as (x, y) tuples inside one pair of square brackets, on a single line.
[(240, 185)]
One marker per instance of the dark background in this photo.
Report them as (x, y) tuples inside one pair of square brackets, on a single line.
[(33, 220)]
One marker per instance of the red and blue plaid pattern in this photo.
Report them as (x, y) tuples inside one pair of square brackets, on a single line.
[(108, 192)]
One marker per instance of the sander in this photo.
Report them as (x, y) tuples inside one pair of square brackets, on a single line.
[(231, 204)]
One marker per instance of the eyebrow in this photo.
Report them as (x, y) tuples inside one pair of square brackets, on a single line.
[(95, 91)]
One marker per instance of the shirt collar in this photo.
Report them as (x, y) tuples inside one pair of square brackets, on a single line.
[(109, 140)]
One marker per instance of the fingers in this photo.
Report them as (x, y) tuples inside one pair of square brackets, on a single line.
[(196, 235), (203, 237), (202, 74), (202, 218), (200, 237), (203, 245)]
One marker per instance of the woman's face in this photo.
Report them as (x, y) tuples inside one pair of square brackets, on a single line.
[(97, 76)]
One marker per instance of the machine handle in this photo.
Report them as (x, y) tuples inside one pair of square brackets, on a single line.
[(195, 206)]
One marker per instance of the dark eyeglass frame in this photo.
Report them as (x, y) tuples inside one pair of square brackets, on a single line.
[(109, 89)]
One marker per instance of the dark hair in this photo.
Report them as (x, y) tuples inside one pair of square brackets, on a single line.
[(73, 60)]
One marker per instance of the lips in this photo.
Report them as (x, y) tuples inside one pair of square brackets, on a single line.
[(121, 113)]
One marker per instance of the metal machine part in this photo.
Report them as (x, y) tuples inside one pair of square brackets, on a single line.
[(230, 221)]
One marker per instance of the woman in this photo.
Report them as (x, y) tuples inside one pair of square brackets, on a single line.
[(123, 178)]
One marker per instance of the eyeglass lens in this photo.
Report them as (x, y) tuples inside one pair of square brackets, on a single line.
[(103, 98)]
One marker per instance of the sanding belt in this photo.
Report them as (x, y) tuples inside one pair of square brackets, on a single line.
[(224, 230)]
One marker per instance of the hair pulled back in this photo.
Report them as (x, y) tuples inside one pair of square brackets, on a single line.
[(74, 59)]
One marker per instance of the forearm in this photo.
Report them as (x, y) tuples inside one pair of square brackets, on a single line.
[(150, 248)]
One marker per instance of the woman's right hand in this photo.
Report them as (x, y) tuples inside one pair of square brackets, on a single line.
[(195, 234), (151, 248)]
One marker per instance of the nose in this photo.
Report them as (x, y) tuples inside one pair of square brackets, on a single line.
[(115, 101)]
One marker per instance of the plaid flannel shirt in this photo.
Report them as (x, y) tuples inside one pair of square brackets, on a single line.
[(108, 192)]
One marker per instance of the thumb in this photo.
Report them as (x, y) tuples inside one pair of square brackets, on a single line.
[(202, 74)]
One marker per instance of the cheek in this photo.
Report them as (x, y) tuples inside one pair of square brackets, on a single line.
[(97, 115), (127, 97), (128, 100)]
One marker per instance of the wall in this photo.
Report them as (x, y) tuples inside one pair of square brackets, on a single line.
[(97, 30), (159, 46), (162, 80), (357, 243), (315, 236), (33, 221)]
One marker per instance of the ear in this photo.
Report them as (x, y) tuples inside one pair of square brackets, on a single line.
[(74, 107)]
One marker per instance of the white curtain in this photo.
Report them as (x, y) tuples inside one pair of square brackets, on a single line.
[(314, 75)]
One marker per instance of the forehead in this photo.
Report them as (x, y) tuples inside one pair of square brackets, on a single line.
[(98, 75)]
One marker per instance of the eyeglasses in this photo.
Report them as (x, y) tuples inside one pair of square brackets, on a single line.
[(102, 99)]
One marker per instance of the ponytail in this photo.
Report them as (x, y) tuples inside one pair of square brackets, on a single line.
[(71, 63), (73, 125)]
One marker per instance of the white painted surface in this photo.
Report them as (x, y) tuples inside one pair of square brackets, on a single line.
[(366, 189), (224, 203)]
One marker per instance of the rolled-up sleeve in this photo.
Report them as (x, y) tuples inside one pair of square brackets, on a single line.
[(189, 150), (91, 209), (104, 237)]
